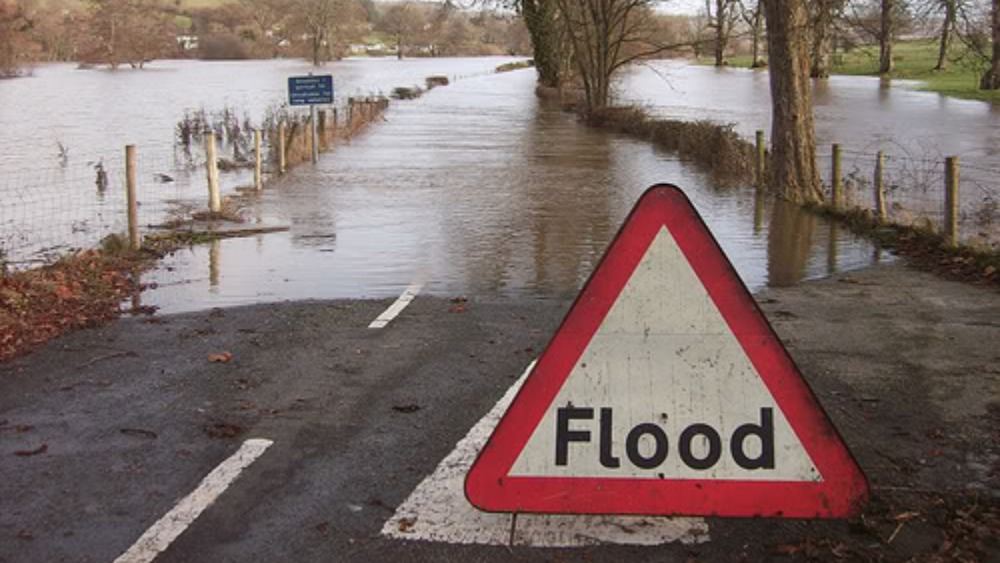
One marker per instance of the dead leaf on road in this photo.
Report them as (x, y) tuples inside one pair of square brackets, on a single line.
[(221, 357), (26, 453), (139, 432), (223, 430), (406, 524)]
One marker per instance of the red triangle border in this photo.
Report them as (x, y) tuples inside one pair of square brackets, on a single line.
[(843, 490)]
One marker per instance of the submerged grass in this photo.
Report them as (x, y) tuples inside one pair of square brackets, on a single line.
[(915, 60), (508, 67), (920, 245)]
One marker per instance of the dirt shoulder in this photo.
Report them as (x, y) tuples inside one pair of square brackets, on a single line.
[(132, 415), (907, 366)]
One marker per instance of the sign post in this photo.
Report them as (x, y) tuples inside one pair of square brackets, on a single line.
[(311, 90), (666, 392)]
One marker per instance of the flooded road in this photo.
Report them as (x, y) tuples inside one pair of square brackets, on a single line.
[(478, 189)]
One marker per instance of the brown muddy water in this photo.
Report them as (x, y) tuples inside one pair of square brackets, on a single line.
[(479, 189), (476, 188)]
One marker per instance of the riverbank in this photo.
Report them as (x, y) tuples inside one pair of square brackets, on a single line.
[(915, 60), (119, 422)]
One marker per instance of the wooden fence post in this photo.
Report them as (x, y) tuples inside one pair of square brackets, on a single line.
[(258, 178), (760, 167), (951, 204), (134, 242), (282, 164), (836, 180), (880, 211), (212, 168)]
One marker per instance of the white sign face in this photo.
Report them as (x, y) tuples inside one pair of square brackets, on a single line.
[(646, 398)]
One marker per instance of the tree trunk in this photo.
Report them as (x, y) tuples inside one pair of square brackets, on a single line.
[(793, 170), (991, 80), (822, 39), (540, 19), (399, 46), (949, 22), (886, 32), (755, 38), (317, 43), (720, 32)]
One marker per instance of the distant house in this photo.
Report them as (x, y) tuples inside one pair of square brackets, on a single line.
[(187, 42)]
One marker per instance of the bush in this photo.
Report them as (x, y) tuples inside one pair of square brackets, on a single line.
[(222, 47), (716, 147)]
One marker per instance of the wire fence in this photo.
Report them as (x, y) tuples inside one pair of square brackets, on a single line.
[(915, 192), (49, 213)]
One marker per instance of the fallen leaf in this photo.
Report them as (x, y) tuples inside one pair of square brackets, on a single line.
[(39, 450), (25, 535), (221, 357), (139, 432), (223, 430), (788, 549), (406, 524)]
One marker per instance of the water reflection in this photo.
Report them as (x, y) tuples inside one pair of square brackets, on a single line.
[(789, 243)]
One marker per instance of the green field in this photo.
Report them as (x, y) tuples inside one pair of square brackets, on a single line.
[(915, 60)]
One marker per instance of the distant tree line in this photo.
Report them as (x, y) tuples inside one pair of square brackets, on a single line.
[(134, 32)]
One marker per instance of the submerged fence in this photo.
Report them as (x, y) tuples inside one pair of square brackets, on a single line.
[(959, 200), (49, 213)]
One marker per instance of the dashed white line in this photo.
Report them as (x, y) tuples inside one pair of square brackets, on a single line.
[(437, 509), (161, 534), (396, 308)]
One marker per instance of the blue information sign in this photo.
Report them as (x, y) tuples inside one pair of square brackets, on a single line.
[(310, 90)]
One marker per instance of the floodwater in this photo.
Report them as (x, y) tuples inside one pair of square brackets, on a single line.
[(479, 189), (915, 129)]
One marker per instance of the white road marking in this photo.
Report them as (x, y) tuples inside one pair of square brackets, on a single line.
[(396, 308), (437, 510), (161, 534)]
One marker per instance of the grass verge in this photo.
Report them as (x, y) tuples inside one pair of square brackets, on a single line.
[(915, 60), (718, 148)]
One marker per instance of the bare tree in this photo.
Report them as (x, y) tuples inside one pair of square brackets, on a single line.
[(887, 34), (822, 14), (318, 19), (606, 35), (131, 32), (270, 18), (950, 8), (15, 41), (753, 16), (721, 21), (793, 136), (402, 20)]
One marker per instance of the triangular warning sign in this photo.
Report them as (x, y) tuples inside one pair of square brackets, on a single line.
[(665, 391)]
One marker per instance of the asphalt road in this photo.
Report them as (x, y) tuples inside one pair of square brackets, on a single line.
[(103, 431)]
